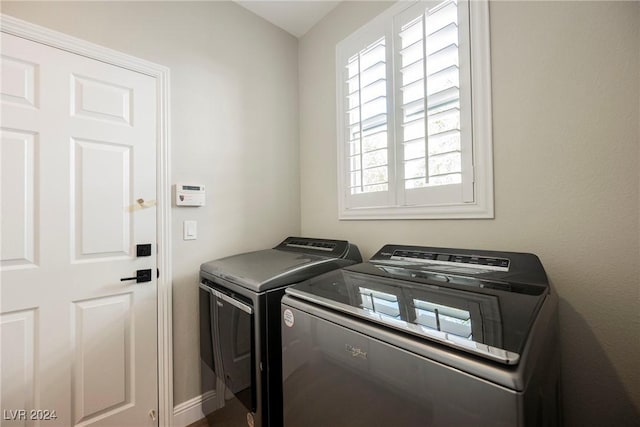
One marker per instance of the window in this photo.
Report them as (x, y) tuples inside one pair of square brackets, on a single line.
[(414, 114)]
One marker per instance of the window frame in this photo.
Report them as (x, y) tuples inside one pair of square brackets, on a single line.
[(477, 196)]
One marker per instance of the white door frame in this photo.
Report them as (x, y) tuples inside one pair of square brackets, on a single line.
[(36, 33)]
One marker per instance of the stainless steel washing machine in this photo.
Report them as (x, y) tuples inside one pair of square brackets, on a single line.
[(240, 321), (423, 336)]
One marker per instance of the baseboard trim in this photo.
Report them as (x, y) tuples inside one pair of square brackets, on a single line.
[(190, 411)]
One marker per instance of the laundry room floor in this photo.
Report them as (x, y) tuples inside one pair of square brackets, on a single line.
[(200, 423), (232, 415)]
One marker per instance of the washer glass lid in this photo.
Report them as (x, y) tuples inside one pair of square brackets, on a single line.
[(476, 316)]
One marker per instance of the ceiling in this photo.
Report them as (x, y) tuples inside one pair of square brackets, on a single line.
[(294, 16)]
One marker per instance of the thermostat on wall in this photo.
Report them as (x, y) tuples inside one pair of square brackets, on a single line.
[(189, 195)]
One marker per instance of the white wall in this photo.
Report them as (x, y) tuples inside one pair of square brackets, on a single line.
[(234, 107), (566, 123), (566, 108)]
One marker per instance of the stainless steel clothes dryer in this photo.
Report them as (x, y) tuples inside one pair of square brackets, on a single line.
[(423, 336), (240, 319)]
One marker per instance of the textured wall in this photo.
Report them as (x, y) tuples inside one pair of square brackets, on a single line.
[(234, 128), (566, 109)]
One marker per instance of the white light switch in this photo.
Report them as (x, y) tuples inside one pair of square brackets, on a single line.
[(190, 230)]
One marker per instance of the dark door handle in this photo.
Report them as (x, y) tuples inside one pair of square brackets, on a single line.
[(140, 277)]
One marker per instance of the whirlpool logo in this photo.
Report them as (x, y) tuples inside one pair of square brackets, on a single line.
[(355, 351)]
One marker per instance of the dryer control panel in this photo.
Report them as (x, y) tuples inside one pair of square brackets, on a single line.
[(321, 247)]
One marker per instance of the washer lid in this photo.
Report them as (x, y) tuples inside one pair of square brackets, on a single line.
[(270, 268), (488, 319)]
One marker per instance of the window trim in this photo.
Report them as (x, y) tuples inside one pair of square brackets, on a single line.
[(482, 206)]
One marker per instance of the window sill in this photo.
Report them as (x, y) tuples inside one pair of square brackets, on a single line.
[(459, 211)]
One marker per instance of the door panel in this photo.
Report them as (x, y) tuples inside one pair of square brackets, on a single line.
[(18, 355), (18, 174), (78, 193), (102, 227), (103, 364), (18, 81), (101, 100)]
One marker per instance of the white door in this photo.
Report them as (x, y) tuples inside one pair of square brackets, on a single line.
[(78, 159)]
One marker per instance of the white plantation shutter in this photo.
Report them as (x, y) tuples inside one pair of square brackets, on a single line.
[(363, 76), (367, 88), (431, 109), (407, 127)]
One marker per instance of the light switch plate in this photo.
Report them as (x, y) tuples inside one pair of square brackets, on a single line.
[(190, 230)]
